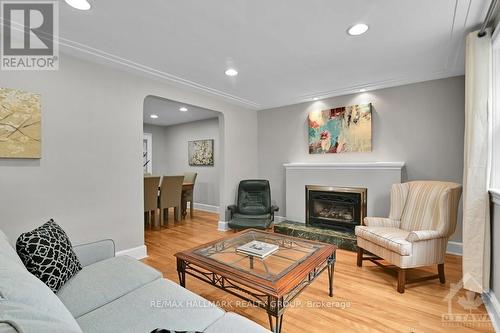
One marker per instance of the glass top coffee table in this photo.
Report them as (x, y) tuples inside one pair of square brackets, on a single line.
[(271, 282)]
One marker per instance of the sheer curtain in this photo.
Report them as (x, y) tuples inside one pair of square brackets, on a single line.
[(476, 211)]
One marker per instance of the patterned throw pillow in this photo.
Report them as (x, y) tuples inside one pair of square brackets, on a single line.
[(47, 254)]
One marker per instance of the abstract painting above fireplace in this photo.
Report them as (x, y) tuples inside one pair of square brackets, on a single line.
[(337, 208)]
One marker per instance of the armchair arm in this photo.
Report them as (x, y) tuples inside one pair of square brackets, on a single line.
[(232, 209), (381, 222), (91, 253), (422, 235), (274, 209)]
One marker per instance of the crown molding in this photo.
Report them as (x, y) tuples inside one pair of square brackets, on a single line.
[(346, 166), (154, 72), (373, 85)]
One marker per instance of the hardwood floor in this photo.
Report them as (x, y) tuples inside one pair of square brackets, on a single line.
[(365, 299)]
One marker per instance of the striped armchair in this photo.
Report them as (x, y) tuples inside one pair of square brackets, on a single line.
[(423, 216)]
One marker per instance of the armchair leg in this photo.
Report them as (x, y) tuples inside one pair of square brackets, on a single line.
[(401, 280), (359, 261), (441, 273)]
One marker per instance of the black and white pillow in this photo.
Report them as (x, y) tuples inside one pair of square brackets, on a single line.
[(47, 253)]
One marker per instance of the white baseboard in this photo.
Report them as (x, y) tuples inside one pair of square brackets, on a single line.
[(493, 308), (138, 253), (223, 226), (279, 219), (206, 208), (454, 248)]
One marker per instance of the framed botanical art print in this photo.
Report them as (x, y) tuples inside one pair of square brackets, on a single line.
[(201, 152)]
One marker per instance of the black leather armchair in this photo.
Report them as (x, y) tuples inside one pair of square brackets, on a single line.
[(253, 209)]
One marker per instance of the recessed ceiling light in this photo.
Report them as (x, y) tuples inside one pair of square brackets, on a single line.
[(362, 90), (154, 116), (183, 109), (357, 29), (79, 4), (315, 98), (231, 72)]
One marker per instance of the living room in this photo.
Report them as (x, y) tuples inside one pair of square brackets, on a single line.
[(390, 108)]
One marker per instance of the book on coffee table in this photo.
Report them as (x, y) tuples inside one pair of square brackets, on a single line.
[(258, 249)]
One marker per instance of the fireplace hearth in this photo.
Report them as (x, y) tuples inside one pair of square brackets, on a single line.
[(337, 208)]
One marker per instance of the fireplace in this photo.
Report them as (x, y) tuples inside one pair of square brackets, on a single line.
[(338, 208)]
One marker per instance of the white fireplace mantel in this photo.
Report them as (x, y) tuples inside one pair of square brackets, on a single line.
[(346, 165), (377, 177)]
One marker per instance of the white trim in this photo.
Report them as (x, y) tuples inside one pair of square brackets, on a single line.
[(494, 150), (455, 248), (206, 208), (495, 196), (402, 80), (493, 308), (278, 219), (348, 165), (223, 226), (139, 252), (85, 49)]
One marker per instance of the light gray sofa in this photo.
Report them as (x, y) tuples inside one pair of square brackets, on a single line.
[(110, 294)]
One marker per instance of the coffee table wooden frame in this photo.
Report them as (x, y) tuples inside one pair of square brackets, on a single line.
[(273, 296)]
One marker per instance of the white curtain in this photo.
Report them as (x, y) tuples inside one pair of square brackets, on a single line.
[(476, 220)]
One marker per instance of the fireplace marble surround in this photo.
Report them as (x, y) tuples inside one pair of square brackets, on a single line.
[(377, 177)]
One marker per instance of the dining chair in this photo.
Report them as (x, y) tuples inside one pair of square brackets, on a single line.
[(189, 177), (170, 196), (151, 184)]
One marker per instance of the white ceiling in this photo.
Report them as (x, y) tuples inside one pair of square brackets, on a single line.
[(286, 51), (168, 112)]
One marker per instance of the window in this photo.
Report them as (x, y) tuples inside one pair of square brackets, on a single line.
[(147, 153)]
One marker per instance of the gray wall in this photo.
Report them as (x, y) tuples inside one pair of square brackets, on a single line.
[(160, 154), (170, 155), (90, 175), (421, 124)]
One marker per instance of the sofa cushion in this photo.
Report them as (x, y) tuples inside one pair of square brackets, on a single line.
[(47, 253), (161, 303), (393, 239), (232, 322), (258, 217), (242, 223), (20, 288), (103, 282), (22, 318)]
